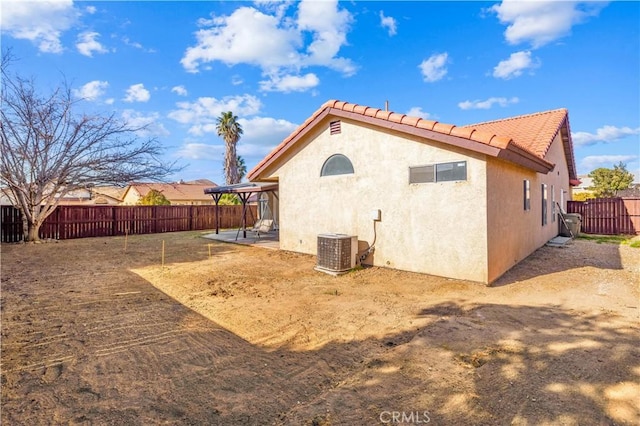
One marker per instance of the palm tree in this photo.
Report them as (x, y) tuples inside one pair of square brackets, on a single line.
[(230, 130), (242, 168)]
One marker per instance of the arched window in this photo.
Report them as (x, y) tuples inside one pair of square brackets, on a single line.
[(337, 164)]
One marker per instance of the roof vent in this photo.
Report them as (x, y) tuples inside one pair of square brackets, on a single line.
[(336, 253)]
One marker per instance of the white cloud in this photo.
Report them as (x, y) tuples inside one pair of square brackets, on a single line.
[(148, 124), (290, 83), (434, 68), (137, 93), (246, 36), (266, 130), (128, 42), (328, 25), (92, 90), (389, 23), (109, 101), (91, 10), (236, 80), (515, 65), (202, 114), (273, 41), (201, 151), (417, 112), (606, 134), (541, 22), (87, 44), (486, 104), (41, 22), (180, 90), (594, 161)]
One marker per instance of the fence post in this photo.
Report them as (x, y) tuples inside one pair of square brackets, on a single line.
[(154, 219), (617, 211), (61, 225)]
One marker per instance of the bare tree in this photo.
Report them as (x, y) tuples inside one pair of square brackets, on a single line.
[(49, 148)]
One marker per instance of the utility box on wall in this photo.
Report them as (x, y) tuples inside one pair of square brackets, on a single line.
[(336, 253)]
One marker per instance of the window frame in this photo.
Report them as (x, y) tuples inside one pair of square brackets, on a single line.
[(544, 209), (553, 204), (414, 172), (526, 189), (323, 169)]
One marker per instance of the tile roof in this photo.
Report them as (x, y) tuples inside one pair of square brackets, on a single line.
[(533, 132), (175, 191), (524, 139), (115, 192)]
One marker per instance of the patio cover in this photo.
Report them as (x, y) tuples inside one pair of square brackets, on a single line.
[(244, 191)]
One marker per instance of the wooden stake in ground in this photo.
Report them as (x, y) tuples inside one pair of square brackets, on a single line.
[(163, 254), (126, 234), (209, 245)]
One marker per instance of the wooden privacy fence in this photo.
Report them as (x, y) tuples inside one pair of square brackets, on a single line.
[(608, 216), (68, 222)]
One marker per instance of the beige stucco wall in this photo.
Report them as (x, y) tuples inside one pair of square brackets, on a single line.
[(435, 228), (131, 198), (514, 233)]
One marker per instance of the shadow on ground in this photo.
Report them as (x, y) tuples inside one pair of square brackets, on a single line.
[(549, 260), (106, 347)]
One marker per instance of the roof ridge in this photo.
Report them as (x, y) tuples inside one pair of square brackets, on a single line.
[(475, 135), (517, 117)]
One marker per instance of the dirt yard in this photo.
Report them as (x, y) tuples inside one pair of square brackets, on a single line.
[(233, 335)]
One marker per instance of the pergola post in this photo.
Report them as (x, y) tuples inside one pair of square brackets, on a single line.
[(244, 197), (216, 198)]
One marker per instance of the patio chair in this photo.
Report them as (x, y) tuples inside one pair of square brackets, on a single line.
[(262, 226)]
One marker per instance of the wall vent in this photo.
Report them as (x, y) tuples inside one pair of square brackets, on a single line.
[(336, 253), (334, 127)]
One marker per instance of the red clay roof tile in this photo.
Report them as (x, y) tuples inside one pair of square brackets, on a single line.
[(360, 109), (461, 132), (396, 118), (426, 124), (383, 114), (340, 105), (410, 121), (443, 128), (371, 112), (500, 141)]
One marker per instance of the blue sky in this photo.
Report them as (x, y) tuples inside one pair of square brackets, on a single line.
[(178, 65)]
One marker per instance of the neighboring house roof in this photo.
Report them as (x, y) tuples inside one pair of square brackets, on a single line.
[(80, 196), (174, 191), (523, 140), (633, 191), (585, 183), (114, 192), (201, 182)]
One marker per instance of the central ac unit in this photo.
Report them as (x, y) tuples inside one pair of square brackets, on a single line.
[(336, 253)]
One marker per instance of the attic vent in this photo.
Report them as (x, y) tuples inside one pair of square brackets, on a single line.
[(334, 127), (336, 253)]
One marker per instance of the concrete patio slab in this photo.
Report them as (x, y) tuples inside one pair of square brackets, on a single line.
[(267, 240), (559, 241)]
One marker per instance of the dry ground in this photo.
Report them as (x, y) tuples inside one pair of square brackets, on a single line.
[(234, 335)]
